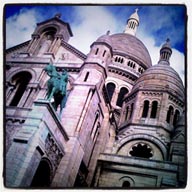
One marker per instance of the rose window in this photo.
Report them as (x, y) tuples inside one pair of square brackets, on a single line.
[(141, 150)]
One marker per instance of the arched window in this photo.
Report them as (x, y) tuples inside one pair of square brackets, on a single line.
[(145, 109), (20, 80), (154, 109), (46, 40), (176, 117), (110, 90), (169, 114), (121, 95), (126, 184)]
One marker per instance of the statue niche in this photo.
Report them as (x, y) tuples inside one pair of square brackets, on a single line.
[(57, 86)]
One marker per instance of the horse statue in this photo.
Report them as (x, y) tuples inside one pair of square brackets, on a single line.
[(57, 86)]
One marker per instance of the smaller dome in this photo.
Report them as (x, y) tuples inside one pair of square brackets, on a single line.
[(105, 38), (161, 77)]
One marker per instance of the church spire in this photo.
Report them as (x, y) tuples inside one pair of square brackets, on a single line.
[(132, 23), (165, 52)]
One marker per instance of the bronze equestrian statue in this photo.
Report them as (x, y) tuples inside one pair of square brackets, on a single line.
[(57, 86)]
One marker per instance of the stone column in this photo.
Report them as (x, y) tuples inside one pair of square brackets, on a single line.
[(12, 95), (149, 111), (24, 97), (115, 96)]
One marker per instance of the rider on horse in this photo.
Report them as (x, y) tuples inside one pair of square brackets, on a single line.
[(57, 85)]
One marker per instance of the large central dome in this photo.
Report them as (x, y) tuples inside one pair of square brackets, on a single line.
[(131, 46)]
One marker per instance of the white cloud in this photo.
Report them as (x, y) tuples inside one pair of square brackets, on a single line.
[(93, 22), (90, 22), (177, 60), (19, 27)]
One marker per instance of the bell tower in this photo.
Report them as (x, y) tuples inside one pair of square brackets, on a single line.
[(48, 36)]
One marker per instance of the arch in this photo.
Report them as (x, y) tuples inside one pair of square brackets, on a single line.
[(145, 109), (20, 80), (176, 117), (127, 182), (46, 27), (122, 93), (29, 70), (154, 109), (110, 89), (42, 177), (146, 137), (169, 114)]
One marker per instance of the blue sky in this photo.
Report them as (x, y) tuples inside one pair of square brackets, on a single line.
[(157, 23)]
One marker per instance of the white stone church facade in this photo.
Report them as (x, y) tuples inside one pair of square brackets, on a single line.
[(123, 124)]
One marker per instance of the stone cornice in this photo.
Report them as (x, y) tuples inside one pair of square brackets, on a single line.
[(74, 50), (14, 48)]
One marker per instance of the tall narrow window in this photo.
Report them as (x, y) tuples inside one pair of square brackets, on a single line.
[(154, 109), (104, 53), (145, 109), (110, 90), (127, 113), (96, 51), (121, 95), (176, 117), (21, 81), (169, 114), (94, 126), (86, 76), (131, 113)]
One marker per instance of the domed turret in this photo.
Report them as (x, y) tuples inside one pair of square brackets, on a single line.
[(101, 50), (165, 53), (105, 39), (161, 93), (132, 24), (162, 76)]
